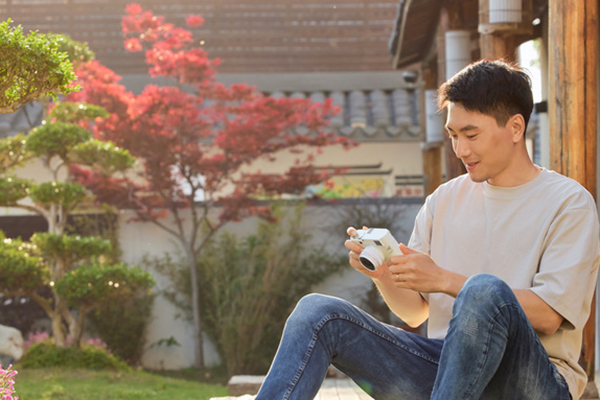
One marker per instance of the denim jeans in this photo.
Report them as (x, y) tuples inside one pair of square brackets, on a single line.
[(490, 352)]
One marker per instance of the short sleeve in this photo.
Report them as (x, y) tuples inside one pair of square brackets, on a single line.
[(420, 239), (568, 268)]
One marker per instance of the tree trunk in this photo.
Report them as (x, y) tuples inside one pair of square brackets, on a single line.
[(76, 327), (58, 329), (199, 342)]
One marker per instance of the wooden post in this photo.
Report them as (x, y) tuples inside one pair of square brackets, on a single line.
[(572, 105), (432, 155), (501, 40), (450, 18)]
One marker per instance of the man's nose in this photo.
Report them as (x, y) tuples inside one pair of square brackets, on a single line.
[(461, 148)]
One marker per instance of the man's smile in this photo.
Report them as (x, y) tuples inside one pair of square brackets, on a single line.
[(470, 165)]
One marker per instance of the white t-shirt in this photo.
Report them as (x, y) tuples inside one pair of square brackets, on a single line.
[(542, 235)]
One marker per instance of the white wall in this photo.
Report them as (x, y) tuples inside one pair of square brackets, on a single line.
[(144, 239)]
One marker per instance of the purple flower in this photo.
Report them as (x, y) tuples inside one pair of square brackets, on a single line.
[(7, 383)]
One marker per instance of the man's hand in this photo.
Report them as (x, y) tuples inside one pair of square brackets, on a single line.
[(407, 304), (417, 271), (355, 250), (412, 270)]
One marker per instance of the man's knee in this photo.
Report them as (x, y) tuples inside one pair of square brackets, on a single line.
[(483, 301), (313, 308), (485, 291)]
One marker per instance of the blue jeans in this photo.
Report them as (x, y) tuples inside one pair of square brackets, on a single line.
[(490, 352)]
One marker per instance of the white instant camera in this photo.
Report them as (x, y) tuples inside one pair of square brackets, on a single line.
[(379, 246)]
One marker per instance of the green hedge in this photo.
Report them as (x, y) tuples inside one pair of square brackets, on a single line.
[(46, 355)]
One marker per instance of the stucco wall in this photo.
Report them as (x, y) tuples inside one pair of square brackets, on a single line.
[(144, 239)]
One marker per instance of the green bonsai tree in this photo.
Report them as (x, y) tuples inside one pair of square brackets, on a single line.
[(32, 66), (74, 267)]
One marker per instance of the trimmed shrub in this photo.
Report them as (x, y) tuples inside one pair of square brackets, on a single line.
[(46, 354), (250, 285), (122, 326)]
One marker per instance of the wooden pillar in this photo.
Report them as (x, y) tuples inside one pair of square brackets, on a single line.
[(572, 106), (495, 47), (501, 40), (432, 153), (450, 19)]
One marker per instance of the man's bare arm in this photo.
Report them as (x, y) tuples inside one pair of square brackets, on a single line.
[(413, 273), (417, 271)]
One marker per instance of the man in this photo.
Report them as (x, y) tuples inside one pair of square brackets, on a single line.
[(502, 263)]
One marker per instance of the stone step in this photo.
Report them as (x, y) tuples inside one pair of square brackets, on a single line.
[(244, 384), (332, 389)]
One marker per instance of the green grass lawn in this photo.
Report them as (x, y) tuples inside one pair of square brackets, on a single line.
[(64, 384)]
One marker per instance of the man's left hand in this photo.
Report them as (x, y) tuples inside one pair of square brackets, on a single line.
[(417, 271)]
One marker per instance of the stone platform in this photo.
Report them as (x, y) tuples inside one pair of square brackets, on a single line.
[(332, 389)]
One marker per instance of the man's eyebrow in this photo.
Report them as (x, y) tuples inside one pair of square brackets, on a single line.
[(465, 128)]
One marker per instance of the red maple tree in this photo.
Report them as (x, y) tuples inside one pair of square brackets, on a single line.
[(196, 139)]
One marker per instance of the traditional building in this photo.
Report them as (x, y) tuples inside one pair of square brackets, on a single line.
[(440, 37)]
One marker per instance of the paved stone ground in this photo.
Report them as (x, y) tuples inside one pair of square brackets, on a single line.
[(332, 389), (345, 389)]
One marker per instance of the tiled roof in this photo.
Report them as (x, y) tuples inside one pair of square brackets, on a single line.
[(247, 35), (365, 115), (371, 115)]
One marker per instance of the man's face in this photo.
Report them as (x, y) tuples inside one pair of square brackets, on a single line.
[(486, 149)]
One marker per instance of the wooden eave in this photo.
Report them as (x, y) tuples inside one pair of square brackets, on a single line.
[(417, 22), (414, 31), (413, 38)]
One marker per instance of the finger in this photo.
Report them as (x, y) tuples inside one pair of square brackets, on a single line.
[(398, 279), (351, 245), (407, 250), (351, 231), (397, 269), (356, 264), (399, 260)]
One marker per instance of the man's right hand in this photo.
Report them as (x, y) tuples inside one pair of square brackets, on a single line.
[(355, 250), (406, 303)]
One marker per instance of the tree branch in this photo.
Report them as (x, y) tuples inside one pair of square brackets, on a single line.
[(43, 302), (38, 210)]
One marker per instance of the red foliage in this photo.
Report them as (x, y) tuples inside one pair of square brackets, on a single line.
[(107, 189), (194, 144), (102, 88), (194, 20)]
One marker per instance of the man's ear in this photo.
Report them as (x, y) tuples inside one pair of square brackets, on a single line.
[(517, 126)]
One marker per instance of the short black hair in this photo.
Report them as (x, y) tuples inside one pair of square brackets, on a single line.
[(495, 88)]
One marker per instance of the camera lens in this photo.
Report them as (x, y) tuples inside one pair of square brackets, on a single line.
[(371, 258), (367, 264)]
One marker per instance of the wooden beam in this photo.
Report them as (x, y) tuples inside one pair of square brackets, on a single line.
[(572, 105), (500, 41), (432, 169), (450, 19), (497, 47), (573, 98), (432, 156)]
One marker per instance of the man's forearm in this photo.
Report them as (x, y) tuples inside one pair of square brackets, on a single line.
[(407, 304), (542, 317)]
